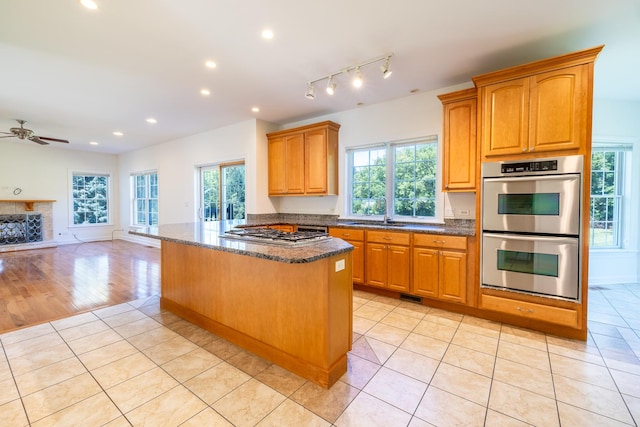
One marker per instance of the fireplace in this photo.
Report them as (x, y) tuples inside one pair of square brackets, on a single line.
[(25, 228), (26, 224)]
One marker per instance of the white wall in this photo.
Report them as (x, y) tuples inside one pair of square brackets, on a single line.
[(404, 118), (177, 161), (43, 172), (619, 121)]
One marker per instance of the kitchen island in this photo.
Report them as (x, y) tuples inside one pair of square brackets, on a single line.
[(291, 305)]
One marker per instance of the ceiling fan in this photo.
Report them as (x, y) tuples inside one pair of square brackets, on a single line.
[(23, 133)]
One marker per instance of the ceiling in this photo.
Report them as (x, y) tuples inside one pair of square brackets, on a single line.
[(80, 75)]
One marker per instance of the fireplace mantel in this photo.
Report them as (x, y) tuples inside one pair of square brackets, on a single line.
[(28, 204)]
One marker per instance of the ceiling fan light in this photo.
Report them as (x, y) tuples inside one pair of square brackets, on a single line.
[(311, 92)]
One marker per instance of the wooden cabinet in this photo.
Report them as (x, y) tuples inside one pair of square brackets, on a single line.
[(459, 142), (356, 239), (440, 267), (286, 165), (304, 161), (388, 260), (530, 310), (539, 107)]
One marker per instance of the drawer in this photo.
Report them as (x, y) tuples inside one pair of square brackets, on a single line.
[(347, 233), (389, 237), (545, 313), (440, 241)]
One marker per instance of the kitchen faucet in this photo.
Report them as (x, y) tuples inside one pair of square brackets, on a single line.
[(385, 218)]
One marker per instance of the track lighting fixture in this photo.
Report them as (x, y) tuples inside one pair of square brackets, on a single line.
[(386, 68), (358, 77), (311, 91), (331, 86)]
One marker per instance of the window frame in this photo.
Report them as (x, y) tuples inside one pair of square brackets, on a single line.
[(621, 173), (220, 167), (72, 199), (134, 199), (390, 163)]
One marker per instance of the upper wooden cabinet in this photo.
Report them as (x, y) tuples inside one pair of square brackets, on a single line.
[(304, 161), (459, 140), (537, 107)]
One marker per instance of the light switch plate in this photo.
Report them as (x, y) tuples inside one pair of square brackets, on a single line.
[(339, 265)]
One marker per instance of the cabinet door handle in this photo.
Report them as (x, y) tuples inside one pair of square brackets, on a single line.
[(532, 148), (524, 149)]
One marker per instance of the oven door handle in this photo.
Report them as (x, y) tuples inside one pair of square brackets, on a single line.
[(529, 238), (563, 177)]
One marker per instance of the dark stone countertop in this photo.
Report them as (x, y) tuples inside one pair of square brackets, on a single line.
[(208, 235)]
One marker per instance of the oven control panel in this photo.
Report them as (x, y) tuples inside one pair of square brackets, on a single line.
[(541, 166)]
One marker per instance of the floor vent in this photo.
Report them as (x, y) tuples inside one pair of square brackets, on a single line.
[(411, 298)]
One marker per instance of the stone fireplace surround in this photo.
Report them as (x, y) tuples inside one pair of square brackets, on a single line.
[(22, 207)]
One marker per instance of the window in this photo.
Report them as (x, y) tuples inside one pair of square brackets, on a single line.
[(607, 175), (222, 192), (90, 198), (145, 198), (397, 179)]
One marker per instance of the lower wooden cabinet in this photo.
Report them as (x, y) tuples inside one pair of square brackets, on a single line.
[(388, 260), (354, 237), (546, 313), (440, 267)]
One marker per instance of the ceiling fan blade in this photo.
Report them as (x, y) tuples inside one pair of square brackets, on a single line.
[(37, 140), (51, 139), (7, 136)]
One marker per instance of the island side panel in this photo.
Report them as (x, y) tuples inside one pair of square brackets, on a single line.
[(296, 315)]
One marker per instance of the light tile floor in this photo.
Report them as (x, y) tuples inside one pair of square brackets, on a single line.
[(133, 364)]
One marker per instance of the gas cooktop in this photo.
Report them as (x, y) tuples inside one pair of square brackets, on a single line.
[(276, 237)]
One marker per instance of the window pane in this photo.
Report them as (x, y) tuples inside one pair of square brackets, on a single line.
[(233, 192), (90, 199), (415, 175), (606, 169), (368, 182)]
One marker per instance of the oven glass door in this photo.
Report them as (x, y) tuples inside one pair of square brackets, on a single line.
[(547, 204), (537, 264)]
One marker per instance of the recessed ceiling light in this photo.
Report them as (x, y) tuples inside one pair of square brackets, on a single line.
[(210, 64), (89, 4), (93, 143), (118, 133), (255, 109), (152, 120), (205, 92), (267, 34)]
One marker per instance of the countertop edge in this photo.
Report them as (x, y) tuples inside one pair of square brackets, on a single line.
[(346, 247)]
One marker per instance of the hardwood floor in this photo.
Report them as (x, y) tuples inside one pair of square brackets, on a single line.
[(41, 285)]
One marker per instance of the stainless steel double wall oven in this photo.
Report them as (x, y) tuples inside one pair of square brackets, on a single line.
[(531, 226)]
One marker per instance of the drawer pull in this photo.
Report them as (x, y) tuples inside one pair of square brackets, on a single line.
[(439, 241), (346, 234), (387, 238), (524, 310)]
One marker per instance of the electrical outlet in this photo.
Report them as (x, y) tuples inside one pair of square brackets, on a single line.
[(464, 212), (339, 265)]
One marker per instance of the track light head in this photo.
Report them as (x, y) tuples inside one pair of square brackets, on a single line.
[(331, 86), (311, 91), (386, 68), (357, 80)]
